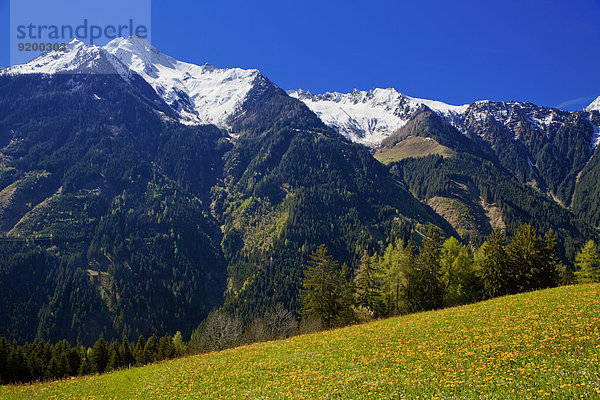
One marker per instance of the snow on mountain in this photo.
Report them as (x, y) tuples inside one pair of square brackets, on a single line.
[(517, 117), (370, 116), (441, 108), (596, 134), (594, 106), (206, 94), (201, 94), (77, 59)]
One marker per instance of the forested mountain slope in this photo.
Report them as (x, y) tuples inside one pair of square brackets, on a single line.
[(291, 184), (123, 192), (121, 221), (473, 190)]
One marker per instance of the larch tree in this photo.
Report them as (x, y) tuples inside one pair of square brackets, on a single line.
[(458, 274), (395, 263), (587, 261)]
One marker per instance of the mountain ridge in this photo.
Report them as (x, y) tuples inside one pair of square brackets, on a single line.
[(595, 105), (203, 94), (198, 94), (369, 116), (544, 147)]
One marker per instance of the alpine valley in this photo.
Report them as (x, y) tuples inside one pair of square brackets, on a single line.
[(139, 192)]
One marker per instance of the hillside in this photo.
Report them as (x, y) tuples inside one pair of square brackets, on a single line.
[(473, 191), (533, 345)]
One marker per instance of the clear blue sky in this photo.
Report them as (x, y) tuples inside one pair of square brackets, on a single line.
[(546, 52)]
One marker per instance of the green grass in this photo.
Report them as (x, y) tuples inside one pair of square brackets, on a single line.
[(412, 147), (534, 345)]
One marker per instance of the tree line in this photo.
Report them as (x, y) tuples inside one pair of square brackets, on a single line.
[(41, 360), (407, 278), (44, 361)]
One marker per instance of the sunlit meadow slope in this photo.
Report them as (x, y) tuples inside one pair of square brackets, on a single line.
[(532, 345)]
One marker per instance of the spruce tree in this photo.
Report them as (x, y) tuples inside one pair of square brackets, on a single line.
[(165, 348), (151, 349), (86, 366), (528, 255), (75, 360), (552, 263), (114, 357), (18, 371), (495, 270), (424, 290), (99, 356), (138, 353), (367, 286), (60, 359), (126, 353)]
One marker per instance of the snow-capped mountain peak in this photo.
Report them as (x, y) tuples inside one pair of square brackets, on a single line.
[(135, 51), (76, 59), (198, 93), (594, 106), (370, 116), (201, 94)]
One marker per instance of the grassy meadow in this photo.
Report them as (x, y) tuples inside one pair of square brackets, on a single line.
[(412, 147), (533, 345)]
